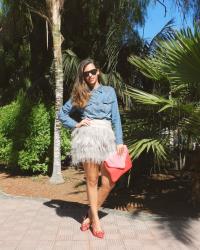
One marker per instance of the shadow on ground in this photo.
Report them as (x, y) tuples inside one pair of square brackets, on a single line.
[(167, 200), (179, 227), (166, 197), (74, 210)]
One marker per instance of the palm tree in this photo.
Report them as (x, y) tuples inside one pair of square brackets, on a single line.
[(52, 15), (54, 10), (175, 67)]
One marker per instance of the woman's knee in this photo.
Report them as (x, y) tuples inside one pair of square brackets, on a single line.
[(92, 182), (92, 174)]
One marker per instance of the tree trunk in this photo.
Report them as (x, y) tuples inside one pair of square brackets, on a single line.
[(55, 14)]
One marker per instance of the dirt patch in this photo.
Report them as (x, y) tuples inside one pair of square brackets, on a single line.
[(39, 186)]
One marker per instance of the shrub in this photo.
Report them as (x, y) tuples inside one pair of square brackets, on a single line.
[(5, 149), (34, 154), (26, 136), (8, 117)]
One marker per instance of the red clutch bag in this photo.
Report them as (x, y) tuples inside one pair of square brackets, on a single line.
[(117, 165)]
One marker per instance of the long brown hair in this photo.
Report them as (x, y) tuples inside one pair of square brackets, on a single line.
[(81, 92)]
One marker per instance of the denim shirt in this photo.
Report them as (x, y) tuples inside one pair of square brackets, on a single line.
[(101, 105)]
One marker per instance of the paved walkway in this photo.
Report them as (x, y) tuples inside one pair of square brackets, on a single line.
[(52, 224)]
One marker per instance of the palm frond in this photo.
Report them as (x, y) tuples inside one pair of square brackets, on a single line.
[(144, 145), (70, 65), (179, 88), (113, 45), (149, 67), (149, 99), (191, 124), (180, 58), (177, 60), (165, 34)]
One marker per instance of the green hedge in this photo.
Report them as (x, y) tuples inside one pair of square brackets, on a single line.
[(26, 136)]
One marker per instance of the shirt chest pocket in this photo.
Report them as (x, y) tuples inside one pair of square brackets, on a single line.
[(96, 106), (107, 104), (93, 106)]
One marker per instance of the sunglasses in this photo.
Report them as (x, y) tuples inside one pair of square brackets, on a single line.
[(93, 72)]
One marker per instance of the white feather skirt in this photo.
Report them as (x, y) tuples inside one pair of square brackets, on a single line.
[(93, 143)]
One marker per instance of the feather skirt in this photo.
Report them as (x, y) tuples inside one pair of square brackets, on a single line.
[(93, 143)]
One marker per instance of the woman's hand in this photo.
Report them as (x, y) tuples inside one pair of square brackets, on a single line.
[(84, 122), (120, 148)]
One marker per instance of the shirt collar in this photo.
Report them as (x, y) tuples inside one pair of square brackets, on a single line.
[(100, 88)]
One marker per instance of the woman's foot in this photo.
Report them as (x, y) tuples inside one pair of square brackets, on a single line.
[(97, 230), (85, 225)]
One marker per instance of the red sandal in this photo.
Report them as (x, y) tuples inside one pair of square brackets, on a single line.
[(85, 226), (98, 234)]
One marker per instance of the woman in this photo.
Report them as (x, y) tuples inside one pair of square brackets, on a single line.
[(93, 138)]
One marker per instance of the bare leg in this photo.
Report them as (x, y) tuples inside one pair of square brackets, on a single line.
[(103, 192), (106, 186), (92, 175)]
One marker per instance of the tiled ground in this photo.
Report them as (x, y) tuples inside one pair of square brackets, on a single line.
[(27, 224)]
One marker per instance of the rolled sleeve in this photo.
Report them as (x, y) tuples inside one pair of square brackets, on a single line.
[(64, 117), (116, 120)]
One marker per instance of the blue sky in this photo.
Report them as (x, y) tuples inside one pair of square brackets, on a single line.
[(156, 19)]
